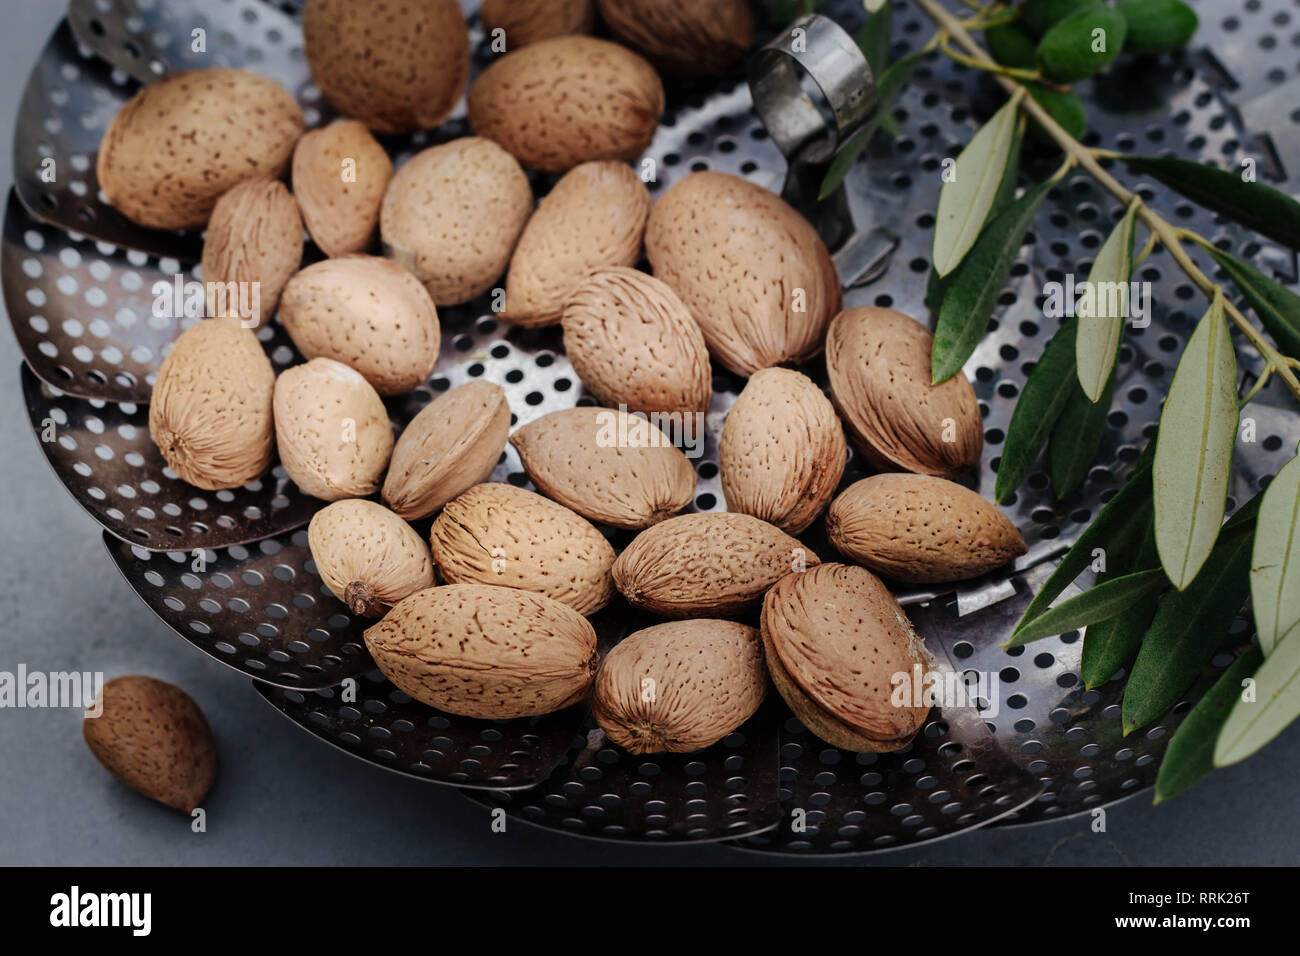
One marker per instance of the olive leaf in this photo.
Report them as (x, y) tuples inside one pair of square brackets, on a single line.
[(1275, 562), (1194, 453), (1041, 402), (1112, 530), (1076, 436), (1255, 205), (873, 38), (1277, 306), (1098, 603), (1190, 755), (1189, 624), (1111, 644), (1276, 703), (975, 285), (966, 198), (1105, 305)]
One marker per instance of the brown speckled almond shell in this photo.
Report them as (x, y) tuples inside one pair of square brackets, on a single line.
[(592, 219), (341, 215), (493, 653), (362, 548), (452, 215), (502, 535), (878, 362), (567, 100), (210, 412), (680, 686), (834, 638), (632, 342), (918, 529), (527, 21), (397, 65), (368, 313), (573, 457), (323, 455), (744, 262), (683, 37), (713, 564), (254, 235), (179, 144), (153, 737), (451, 445), (783, 450)]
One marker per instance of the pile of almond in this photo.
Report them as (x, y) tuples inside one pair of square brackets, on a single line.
[(735, 277)]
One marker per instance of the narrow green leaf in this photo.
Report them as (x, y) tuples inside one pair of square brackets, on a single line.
[(1275, 561), (888, 87), (1190, 624), (965, 199), (1256, 205), (1099, 603), (1040, 403), (1190, 755), (1112, 644), (1198, 426), (1076, 436), (1253, 723), (1104, 306), (977, 282), (1277, 306), (873, 39), (1112, 527)]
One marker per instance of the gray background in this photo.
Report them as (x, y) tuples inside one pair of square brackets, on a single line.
[(285, 798)]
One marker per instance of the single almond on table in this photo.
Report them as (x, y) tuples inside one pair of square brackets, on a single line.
[(681, 686), (340, 175), (575, 457), (527, 21), (254, 239), (683, 37), (367, 556), (836, 644)]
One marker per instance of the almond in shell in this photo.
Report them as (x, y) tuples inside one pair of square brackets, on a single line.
[(340, 174), (607, 465), (254, 239), (453, 444), (527, 21), (567, 100), (783, 450), (714, 564), (837, 643), (593, 218), (492, 653), (368, 313), (681, 686), (632, 342), (332, 430), (367, 556), (751, 270), (452, 215), (683, 37), (210, 414), (878, 362), (502, 535), (919, 529)]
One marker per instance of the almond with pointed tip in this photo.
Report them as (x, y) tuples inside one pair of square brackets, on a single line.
[(632, 342), (783, 451), (918, 529), (683, 37), (340, 174), (492, 653), (608, 466), (592, 219), (836, 642), (502, 535), (679, 687), (453, 444), (878, 362), (713, 564), (254, 240), (452, 215), (153, 737), (367, 556), (211, 410), (527, 21), (751, 270)]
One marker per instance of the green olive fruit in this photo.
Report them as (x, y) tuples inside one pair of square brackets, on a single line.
[(1039, 16), (1082, 45), (1010, 45), (1064, 106), (1156, 26)]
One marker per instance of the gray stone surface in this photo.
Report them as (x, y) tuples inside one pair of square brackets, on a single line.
[(284, 798)]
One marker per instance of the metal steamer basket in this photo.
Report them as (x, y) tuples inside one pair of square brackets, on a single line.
[(230, 571)]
